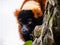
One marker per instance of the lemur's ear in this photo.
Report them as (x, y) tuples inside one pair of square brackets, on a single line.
[(37, 12), (17, 12)]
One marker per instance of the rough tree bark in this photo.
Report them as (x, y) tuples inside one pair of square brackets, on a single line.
[(49, 32)]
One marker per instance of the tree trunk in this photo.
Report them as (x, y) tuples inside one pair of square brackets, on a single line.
[(50, 29)]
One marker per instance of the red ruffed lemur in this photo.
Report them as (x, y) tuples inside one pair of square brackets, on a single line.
[(28, 16)]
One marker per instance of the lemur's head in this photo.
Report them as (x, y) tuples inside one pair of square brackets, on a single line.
[(28, 17)]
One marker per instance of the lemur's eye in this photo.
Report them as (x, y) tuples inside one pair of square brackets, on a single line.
[(30, 22), (20, 19)]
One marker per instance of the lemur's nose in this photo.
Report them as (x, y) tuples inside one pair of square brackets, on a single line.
[(24, 29)]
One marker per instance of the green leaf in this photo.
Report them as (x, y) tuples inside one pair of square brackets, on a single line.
[(28, 42)]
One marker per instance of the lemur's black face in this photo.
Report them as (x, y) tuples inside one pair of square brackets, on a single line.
[(28, 23)]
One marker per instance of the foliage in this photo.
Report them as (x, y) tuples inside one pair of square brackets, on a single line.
[(28, 42)]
